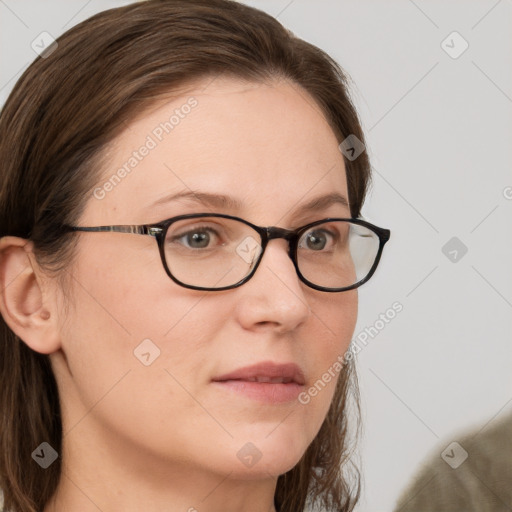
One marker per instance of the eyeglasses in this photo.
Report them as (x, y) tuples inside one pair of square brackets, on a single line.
[(210, 251)]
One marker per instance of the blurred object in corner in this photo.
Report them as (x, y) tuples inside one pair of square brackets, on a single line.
[(474, 474)]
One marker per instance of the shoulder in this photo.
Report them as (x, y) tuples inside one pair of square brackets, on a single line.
[(471, 474)]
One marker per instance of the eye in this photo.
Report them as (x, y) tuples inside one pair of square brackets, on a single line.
[(316, 239), (197, 238)]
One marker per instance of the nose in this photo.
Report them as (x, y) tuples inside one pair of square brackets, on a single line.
[(274, 297)]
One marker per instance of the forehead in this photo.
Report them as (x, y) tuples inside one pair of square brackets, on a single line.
[(266, 144)]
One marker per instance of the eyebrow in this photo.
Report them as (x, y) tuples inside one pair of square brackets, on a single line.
[(228, 202)]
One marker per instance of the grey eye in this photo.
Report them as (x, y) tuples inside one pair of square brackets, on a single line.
[(316, 240)]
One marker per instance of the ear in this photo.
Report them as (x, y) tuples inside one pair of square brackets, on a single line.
[(25, 304)]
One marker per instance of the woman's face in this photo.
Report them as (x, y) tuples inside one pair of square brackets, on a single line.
[(140, 354)]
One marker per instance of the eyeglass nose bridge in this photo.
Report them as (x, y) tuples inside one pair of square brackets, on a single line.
[(273, 232)]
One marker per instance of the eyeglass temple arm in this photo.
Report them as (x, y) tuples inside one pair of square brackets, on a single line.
[(138, 230)]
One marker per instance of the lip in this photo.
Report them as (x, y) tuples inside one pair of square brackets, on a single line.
[(266, 382)]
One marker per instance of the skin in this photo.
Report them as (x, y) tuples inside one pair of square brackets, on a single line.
[(162, 437)]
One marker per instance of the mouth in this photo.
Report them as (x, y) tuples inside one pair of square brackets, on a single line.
[(265, 382)]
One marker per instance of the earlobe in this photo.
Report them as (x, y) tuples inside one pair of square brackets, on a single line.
[(24, 303)]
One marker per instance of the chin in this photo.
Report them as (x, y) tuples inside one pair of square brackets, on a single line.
[(264, 469), (268, 455)]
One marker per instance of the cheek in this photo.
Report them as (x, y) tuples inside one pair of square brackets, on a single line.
[(336, 320), (128, 314), (128, 291), (116, 326)]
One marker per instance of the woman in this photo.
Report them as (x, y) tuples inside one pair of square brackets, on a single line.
[(162, 347)]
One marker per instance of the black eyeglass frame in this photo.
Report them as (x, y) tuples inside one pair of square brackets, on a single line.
[(159, 231)]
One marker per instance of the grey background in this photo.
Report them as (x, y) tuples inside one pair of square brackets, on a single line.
[(439, 132)]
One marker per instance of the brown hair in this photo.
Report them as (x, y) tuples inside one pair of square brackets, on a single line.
[(54, 129)]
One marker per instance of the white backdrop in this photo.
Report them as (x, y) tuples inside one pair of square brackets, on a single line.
[(437, 110)]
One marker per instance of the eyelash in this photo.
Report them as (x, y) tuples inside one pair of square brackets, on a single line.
[(194, 229)]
